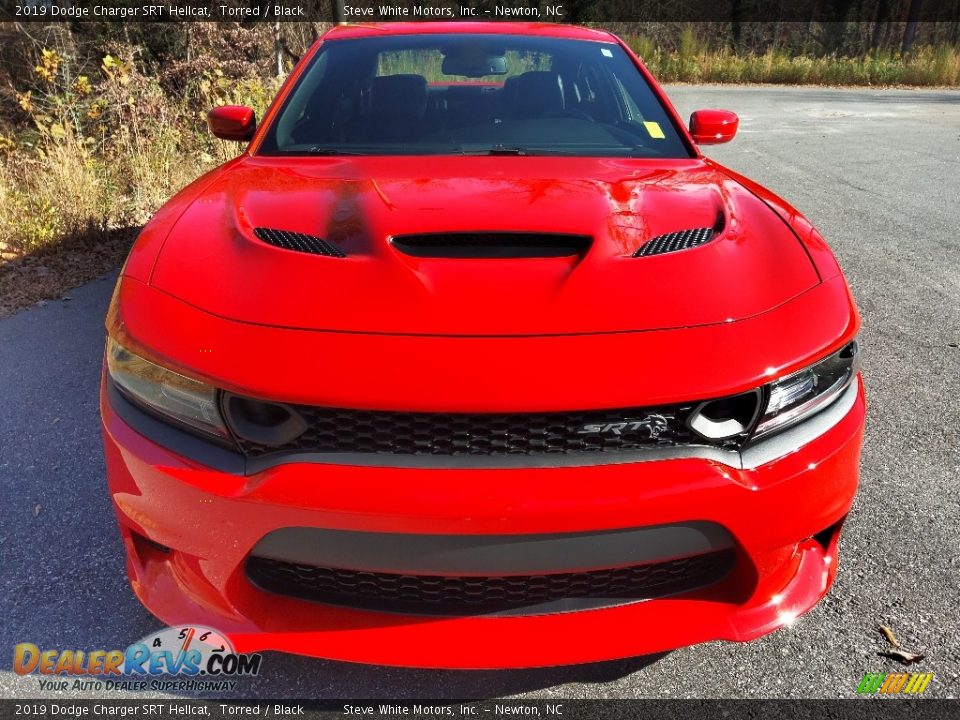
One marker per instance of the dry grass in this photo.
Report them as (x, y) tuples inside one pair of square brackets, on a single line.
[(96, 161), (67, 192), (104, 152), (693, 62)]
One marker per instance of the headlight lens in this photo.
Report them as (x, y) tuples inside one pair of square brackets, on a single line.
[(164, 392), (807, 392)]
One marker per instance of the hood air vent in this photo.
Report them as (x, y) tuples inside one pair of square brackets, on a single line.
[(298, 242), (491, 245), (672, 242)]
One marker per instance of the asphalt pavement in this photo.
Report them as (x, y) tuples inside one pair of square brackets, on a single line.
[(878, 171)]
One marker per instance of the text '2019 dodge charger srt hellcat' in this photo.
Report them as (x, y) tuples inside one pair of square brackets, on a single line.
[(472, 359)]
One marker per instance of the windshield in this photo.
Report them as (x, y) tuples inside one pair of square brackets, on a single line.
[(472, 94)]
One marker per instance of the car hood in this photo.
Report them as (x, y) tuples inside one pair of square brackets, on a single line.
[(213, 260)]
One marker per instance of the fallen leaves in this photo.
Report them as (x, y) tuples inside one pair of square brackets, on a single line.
[(888, 634), (48, 274), (898, 653), (903, 656)]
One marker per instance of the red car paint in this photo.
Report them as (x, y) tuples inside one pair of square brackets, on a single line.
[(232, 122), (386, 331), (711, 127)]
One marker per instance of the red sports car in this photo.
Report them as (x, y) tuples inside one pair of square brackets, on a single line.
[(472, 360)]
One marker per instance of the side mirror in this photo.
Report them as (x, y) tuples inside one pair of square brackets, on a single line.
[(232, 122), (712, 127)]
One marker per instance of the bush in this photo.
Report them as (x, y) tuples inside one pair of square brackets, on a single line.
[(104, 151)]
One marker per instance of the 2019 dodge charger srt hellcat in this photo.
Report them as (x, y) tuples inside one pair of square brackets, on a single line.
[(473, 360)]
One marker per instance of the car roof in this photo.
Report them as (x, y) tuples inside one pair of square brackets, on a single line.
[(556, 30)]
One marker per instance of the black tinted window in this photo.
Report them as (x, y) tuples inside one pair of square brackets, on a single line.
[(472, 94)]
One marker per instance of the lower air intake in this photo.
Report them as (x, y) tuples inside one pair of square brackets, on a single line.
[(470, 595), (298, 242), (491, 245), (672, 242)]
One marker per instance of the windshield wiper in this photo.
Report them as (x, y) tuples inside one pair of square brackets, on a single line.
[(325, 150), (507, 150), (513, 150), (427, 150), (379, 150)]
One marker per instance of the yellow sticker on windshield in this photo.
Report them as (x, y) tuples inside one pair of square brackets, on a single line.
[(654, 129)]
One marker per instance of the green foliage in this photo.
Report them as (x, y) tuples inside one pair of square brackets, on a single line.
[(35, 218)]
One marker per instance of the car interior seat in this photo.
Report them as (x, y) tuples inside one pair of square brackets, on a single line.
[(536, 94)]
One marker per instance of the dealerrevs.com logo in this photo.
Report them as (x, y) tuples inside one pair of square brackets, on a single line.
[(198, 658)]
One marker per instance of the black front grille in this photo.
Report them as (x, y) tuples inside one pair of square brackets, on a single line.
[(491, 245), (672, 242), (333, 430), (298, 242), (470, 595)]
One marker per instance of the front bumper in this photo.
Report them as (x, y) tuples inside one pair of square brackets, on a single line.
[(189, 530)]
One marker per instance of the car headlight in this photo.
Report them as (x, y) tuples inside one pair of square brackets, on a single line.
[(172, 396), (802, 394)]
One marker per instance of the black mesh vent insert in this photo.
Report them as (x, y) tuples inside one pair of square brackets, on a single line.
[(470, 595), (491, 245), (672, 242), (336, 430), (298, 242)]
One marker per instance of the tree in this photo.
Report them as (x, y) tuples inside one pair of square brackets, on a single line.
[(736, 24), (910, 31), (835, 16), (880, 21)]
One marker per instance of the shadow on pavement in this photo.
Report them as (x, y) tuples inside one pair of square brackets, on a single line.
[(347, 680)]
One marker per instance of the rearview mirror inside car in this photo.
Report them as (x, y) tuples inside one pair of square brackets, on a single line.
[(474, 66)]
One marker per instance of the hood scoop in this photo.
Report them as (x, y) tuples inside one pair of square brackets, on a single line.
[(298, 242), (676, 241), (383, 228), (477, 245)]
